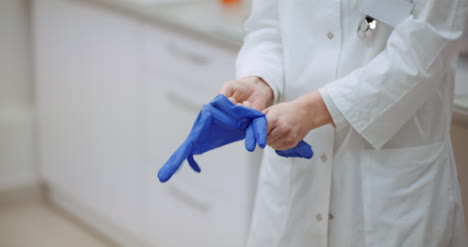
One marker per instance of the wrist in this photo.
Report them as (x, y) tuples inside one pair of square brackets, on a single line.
[(315, 111)]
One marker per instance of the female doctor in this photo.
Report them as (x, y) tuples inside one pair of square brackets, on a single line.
[(373, 97)]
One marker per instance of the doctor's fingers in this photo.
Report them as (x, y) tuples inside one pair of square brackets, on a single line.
[(282, 138), (236, 89), (282, 143), (245, 103), (227, 90), (276, 138), (230, 90), (272, 120), (274, 141)]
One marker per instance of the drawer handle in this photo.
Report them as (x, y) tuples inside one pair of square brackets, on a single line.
[(180, 100), (187, 55), (188, 199)]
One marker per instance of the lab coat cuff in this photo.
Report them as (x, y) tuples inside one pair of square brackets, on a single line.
[(372, 132), (270, 80), (338, 118)]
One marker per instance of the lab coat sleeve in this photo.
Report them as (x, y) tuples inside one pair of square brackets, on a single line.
[(338, 118), (378, 98), (261, 53)]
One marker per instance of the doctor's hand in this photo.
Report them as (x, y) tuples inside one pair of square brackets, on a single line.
[(249, 90), (289, 122)]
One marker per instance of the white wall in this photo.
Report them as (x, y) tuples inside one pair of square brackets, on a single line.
[(16, 114)]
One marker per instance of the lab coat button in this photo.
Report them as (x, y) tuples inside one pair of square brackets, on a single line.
[(323, 157), (318, 217), (330, 35), (331, 217)]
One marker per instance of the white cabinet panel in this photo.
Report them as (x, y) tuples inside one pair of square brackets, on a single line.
[(116, 97), (207, 209), (87, 75), (190, 63), (210, 208)]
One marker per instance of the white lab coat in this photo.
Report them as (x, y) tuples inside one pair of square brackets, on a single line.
[(386, 175)]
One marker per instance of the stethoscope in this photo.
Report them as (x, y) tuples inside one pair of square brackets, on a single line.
[(367, 24)]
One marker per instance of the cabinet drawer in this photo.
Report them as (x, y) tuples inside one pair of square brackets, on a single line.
[(188, 61), (184, 220), (207, 209)]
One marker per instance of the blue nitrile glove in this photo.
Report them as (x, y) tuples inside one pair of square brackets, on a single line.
[(219, 123)]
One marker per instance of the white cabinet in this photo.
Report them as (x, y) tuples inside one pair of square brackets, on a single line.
[(207, 209), (88, 72), (116, 96)]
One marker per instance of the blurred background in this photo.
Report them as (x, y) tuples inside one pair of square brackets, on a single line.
[(94, 97)]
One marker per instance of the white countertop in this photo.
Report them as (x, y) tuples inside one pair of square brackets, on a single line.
[(224, 25), (207, 19)]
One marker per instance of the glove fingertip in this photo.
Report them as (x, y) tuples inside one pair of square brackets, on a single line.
[(260, 125), (164, 175), (262, 145), (193, 164), (169, 168), (249, 145), (302, 150), (308, 154), (305, 149), (250, 139)]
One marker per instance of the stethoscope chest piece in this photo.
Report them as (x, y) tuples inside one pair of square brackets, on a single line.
[(367, 24)]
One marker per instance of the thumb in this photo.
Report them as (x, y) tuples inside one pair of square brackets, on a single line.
[(227, 91), (247, 104)]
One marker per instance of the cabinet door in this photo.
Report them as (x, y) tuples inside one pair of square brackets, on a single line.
[(87, 73), (207, 209)]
